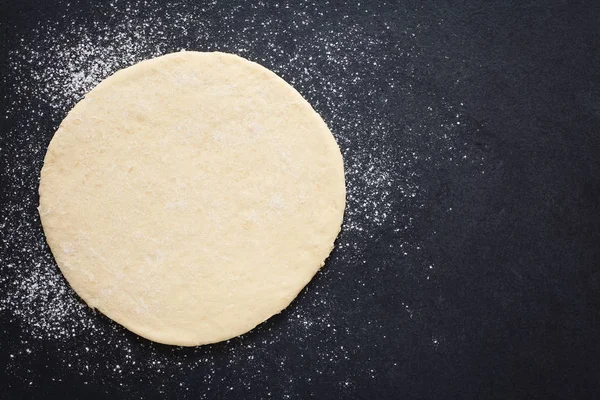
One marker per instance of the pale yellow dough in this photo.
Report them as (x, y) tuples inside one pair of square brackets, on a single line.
[(191, 197)]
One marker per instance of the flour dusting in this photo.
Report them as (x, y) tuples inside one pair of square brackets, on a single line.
[(361, 83)]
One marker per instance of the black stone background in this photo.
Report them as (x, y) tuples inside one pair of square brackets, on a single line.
[(517, 302)]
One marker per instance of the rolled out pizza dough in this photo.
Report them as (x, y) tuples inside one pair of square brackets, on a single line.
[(191, 197)]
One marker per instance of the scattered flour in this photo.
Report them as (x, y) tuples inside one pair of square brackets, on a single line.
[(352, 77)]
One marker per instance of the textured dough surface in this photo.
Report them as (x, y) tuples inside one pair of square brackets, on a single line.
[(191, 197)]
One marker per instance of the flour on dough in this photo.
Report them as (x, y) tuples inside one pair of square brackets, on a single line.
[(191, 197)]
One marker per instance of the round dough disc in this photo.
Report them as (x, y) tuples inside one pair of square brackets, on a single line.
[(191, 197)]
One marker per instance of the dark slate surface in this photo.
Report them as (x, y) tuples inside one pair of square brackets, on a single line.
[(511, 308)]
